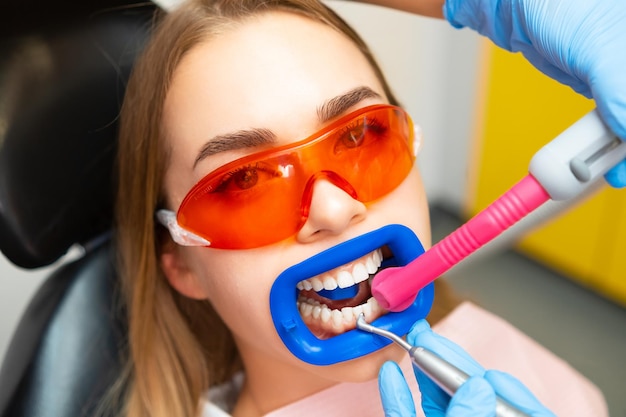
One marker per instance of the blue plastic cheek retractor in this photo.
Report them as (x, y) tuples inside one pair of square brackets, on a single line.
[(404, 245)]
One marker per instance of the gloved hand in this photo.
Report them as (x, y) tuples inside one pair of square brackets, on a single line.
[(475, 398), (581, 43)]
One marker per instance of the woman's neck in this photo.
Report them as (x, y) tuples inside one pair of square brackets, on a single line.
[(246, 405), (271, 384)]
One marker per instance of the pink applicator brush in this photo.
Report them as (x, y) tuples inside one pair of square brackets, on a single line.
[(564, 168)]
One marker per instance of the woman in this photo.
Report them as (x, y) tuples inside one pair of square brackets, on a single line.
[(225, 80)]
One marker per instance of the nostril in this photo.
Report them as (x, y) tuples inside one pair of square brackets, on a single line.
[(358, 217)]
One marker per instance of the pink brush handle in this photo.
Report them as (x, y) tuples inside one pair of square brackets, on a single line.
[(396, 288)]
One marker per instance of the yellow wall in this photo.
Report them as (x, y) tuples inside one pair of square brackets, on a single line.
[(521, 110)]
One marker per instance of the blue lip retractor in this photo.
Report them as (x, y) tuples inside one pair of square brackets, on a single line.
[(404, 245)]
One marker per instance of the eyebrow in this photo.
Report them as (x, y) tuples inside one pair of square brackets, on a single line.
[(249, 138), (338, 105), (240, 139)]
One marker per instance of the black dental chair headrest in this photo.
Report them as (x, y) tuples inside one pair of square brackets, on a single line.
[(61, 86), (62, 81)]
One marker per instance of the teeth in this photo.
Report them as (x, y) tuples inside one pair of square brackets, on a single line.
[(330, 283), (317, 284), (367, 308), (306, 309), (346, 315), (344, 278), (325, 314), (360, 273), (337, 317), (371, 266)]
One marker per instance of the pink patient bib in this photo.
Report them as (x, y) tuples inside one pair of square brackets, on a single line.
[(495, 344)]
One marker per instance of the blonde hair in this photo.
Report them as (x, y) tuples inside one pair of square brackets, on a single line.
[(178, 347)]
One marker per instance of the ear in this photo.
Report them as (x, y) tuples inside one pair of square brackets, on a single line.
[(178, 273)]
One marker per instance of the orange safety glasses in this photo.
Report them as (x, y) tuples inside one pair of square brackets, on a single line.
[(265, 197)]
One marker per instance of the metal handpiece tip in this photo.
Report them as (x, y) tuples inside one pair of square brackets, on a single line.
[(360, 322)]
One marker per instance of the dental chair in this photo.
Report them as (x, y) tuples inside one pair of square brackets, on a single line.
[(63, 71)]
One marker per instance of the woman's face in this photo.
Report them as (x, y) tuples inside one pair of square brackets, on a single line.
[(274, 72)]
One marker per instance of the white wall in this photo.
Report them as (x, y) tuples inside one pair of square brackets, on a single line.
[(432, 69)]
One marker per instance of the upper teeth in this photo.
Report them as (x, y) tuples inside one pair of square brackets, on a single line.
[(343, 278)]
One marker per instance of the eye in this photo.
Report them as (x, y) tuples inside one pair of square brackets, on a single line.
[(354, 136), (359, 133), (244, 178)]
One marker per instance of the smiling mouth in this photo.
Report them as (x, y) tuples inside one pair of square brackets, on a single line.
[(330, 303)]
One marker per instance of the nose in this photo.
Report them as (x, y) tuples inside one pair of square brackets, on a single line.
[(331, 211)]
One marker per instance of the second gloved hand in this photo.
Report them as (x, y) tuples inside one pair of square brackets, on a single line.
[(581, 43), (475, 398)]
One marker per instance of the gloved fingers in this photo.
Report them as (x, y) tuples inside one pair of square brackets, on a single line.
[(616, 176), (602, 57), (422, 335), (609, 92), (552, 71), (474, 398), (434, 399), (394, 392), (577, 42), (512, 390)]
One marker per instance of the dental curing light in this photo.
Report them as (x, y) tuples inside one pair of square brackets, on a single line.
[(404, 246), (564, 168)]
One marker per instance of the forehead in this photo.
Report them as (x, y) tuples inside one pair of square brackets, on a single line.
[(270, 72), (258, 72)]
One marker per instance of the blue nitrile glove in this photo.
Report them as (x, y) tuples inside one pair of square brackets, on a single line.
[(581, 43), (475, 398)]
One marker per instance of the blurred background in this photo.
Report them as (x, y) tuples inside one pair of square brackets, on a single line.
[(484, 112)]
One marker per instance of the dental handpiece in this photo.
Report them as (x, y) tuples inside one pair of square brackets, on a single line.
[(447, 376), (564, 168)]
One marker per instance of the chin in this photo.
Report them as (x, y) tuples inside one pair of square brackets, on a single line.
[(365, 368)]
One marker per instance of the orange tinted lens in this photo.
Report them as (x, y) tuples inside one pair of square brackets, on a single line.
[(373, 152), (258, 199), (247, 205)]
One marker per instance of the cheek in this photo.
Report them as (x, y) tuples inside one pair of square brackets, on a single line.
[(238, 286), (408, 205), (234, 282)]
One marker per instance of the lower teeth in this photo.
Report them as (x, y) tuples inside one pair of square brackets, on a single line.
[(310, 308)]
